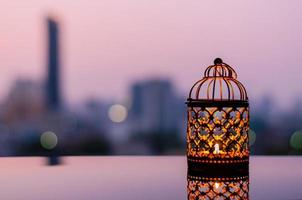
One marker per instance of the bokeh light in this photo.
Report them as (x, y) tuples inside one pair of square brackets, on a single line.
[(49, 140), (252, 137), (117, 113), (296, 140)]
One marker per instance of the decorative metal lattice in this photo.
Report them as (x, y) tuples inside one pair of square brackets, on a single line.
[(219, 83), (218, 117), (218, 188), (218, 132)]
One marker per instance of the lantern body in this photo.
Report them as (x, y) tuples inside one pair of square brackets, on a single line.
[(218, 118), (218, 133)]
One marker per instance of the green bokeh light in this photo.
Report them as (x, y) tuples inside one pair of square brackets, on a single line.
[(296, 140), (49, 140)]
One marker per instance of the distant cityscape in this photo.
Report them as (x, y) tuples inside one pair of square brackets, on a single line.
[(34, 121)]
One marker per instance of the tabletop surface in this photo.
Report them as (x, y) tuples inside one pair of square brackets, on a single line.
[(134, 177)]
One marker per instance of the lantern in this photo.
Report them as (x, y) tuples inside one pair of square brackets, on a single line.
[(218, 121)]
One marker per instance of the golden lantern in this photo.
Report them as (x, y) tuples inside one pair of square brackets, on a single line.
[(218, 120), (217, 136)]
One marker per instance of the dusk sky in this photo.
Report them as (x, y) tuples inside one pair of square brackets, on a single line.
[(107, 45)]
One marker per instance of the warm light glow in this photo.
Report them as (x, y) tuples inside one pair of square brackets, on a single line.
[(49, 140), (218, 133), (117, 113), (217, 189), (216, 150)]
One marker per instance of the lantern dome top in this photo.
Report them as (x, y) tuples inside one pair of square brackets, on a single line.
[(218, 84)]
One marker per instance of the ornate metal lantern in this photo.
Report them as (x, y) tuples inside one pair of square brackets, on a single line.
[(217, 136), (218, 120)]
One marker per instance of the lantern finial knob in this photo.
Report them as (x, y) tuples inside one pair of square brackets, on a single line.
[(218, 61)]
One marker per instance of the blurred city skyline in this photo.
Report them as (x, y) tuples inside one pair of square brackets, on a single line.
[(108, 46), (128, 98)]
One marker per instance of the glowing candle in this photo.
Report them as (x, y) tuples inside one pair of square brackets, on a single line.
[(216, 150)]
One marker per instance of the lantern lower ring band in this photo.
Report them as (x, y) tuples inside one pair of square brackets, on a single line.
[(222, 170)]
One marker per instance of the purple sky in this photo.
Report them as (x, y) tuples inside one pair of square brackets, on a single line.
[(107, 45)]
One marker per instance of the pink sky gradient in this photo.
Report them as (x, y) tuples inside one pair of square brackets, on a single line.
[(107, 45)]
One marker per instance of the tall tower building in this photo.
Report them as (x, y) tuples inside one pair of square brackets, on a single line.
[(53, 98)]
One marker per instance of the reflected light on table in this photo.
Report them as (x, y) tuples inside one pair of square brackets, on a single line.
[(218, 188)]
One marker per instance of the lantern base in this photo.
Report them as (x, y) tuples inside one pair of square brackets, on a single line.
[(219, 168)]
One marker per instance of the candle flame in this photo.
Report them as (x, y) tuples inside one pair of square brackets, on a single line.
[(216, 150)]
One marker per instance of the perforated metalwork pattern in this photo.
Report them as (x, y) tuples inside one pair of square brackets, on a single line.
[(218, 133)]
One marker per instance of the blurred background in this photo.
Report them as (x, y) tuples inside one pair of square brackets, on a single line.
[(111, 77)]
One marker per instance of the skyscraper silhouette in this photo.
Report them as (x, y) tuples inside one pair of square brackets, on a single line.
[(53, 98)]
